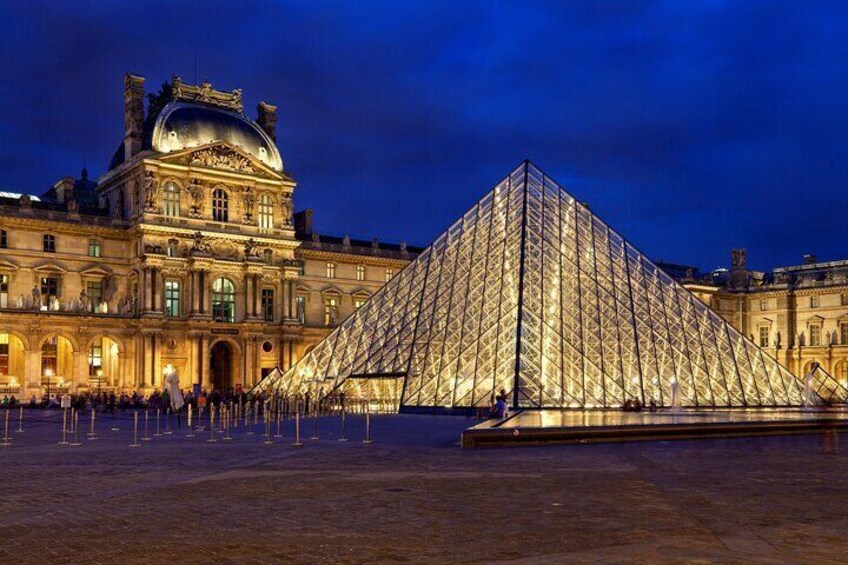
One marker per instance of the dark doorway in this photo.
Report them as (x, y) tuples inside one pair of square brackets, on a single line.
[(221, 364)]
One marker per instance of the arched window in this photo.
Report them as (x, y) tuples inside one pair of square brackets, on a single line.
[(223, 300), (842, 373), (266, 212), (171, 200), (220, 206)]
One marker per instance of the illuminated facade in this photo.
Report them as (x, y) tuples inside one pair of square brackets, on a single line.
[(184, 255), (530, 293)]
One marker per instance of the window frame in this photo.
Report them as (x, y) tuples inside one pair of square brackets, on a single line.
[(331, 270), (95, 248), (48, 243), (171, 200), (266, 302), (223, 311), (265, 212), (220, 205), (172, 296)]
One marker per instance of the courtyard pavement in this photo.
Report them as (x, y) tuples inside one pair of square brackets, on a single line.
[(414, 496)]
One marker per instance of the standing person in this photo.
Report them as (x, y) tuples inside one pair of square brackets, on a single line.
[(172, 388)]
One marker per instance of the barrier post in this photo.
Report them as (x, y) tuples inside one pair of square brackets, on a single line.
[(279, 432), (64, 427), (342, 435), (158, 417), (168, 422), (247, 420), (190, 433), (211, 426), (7, 441), (92, 435), (146, 418), (367, 439), (21, 420), (76, 430), (297, 442), (227, 415), (135, 431)]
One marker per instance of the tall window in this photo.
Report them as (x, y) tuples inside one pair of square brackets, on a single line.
[(764, 336), (49, 287), (223, 300), (95, 357), (94, 248), (171, 200), (764, 304), (4, 291), (172, 298), (48, 243), (4, 354), (268, 304), (49, 353), (331, 270), (266, 212), (843, 333), (220, 206), (171, 249), (843, 372), (300, 308), (389, 274), (814, 301), (330, 308), (358, 302), (4, 239), (94, 290), (815, 335), (360, 272)]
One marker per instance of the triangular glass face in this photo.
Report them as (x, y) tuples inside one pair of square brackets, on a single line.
[(530, 294)]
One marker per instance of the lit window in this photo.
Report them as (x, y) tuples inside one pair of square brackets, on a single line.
[(4, 239), (95, 357), (814, 301), (172, 298), (268, 304), (49, 243), (94, 291), (358, 302), (843, 371), (4, 354), (764, 336), (49, 287), (764, 304), (94, 248), (223, 300), (843, 333), (4, 291), (220, 205), (360, 272), (331, 270), (49, 354), (330, 308), (300, 308), (815, 335), (171, 200), (389, 274), (266, 212), (171, 249)]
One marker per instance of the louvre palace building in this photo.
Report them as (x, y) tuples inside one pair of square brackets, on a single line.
[(186, 255)]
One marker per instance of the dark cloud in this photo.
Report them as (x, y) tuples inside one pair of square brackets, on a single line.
[(691, 127)]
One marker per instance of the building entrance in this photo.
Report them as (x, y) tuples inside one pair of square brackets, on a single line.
[(221, 365)]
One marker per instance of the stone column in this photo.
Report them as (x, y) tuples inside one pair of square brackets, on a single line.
[(195, 292), (248, 296), (156, 339), (203, 357)]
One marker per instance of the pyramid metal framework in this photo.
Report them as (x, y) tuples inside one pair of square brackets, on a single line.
[(532, 294)]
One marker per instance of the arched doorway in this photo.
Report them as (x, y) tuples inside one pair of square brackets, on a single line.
[(221, 366), (12, 364)]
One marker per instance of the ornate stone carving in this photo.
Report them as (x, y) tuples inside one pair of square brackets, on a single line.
[(739, 258), (225, 249), (206, 94), (73, 206), (197, 198), (286, 208), (118, 203), (25, 201), (199, 244), (248, 202), (151, 192), (250, 248), (221, 158)]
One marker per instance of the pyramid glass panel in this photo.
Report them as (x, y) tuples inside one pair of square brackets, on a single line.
[(532, 295)]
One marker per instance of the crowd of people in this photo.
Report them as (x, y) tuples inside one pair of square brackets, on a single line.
[(111, 402)]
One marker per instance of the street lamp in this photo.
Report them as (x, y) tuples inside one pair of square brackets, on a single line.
[(48, 374)]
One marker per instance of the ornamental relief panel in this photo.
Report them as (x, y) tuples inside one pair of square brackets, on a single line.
[(219, 157)]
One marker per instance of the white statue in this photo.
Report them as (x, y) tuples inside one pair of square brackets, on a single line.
[(172, 384)]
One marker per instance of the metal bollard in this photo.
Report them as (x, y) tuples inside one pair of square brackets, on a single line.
[(279, 432), (76, 442), (71, 422), (237, 415), (7, 441), (211, 426), (168, 422), (247, 420), (115, 427), (342, 434), (315, 409), (190, 432), (297, 442), (255, 412), (92, 435), (135, 431), (146, 436), (227, 414), (64, 428), (158, 414), (367, 439), (21, 420)]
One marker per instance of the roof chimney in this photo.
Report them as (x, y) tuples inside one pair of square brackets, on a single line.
[(809, 259), (267, 119), (303, 222), (133, 114)]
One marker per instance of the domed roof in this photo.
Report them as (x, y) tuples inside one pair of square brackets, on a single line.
[(182, 125)]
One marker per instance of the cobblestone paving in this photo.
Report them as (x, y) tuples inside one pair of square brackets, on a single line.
[(413, 496)]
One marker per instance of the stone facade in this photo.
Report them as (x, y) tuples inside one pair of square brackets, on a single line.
[(183, 256)]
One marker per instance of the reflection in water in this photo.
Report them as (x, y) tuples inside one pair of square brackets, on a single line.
[(593, 418)]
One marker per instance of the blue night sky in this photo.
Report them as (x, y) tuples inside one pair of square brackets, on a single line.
[(690, 127)]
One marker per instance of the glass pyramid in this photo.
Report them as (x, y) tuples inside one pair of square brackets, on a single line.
[(530, 293)]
